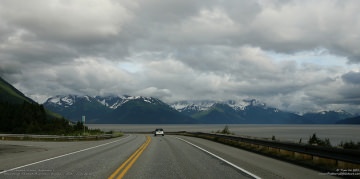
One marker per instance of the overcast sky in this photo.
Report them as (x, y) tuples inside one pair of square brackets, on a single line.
[(294, 55)]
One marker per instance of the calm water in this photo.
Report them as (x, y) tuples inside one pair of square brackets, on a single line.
[(336, 133)]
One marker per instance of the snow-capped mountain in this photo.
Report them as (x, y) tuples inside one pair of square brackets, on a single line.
[(73, 107), (68, 100), (139, 109), (232, 111), (203, 105), (112, 102), (195, 106), (115, 109)]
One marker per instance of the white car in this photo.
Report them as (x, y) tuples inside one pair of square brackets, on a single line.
[(159, 131)]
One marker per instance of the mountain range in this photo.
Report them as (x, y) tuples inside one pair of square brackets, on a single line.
[(148, 110), (116, 109)]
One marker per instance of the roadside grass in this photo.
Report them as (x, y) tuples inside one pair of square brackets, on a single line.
[(115, 133), (92, 134)]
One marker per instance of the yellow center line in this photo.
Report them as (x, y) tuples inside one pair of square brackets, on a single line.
[(122, 170)]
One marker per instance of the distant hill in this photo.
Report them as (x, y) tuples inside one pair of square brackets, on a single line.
[(326, 117), (353, 120), (261, 114)]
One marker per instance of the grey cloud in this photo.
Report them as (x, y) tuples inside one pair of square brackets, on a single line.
[(352, 78), (287, 28), (154, 92), (350, 92), (119, 27), (71, 28), (182, 49), (66, 19), (158, 12)]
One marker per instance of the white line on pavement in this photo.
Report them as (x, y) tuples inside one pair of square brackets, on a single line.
[(62, 155), (222, 159)]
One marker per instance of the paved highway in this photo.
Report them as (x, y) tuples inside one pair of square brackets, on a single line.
[(140, 156)]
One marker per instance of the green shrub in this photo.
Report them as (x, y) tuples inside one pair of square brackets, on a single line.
[(314, 140), (350, 145), (226, 130)]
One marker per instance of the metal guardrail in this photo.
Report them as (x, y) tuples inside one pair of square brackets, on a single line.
[(52, 137), (346, 155)]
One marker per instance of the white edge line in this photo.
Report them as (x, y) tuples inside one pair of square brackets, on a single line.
[(62, 156), (222, 159)]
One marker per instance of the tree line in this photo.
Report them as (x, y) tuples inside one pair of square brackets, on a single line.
[(32, 118)]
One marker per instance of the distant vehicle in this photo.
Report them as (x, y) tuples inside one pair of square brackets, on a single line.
[(159, 131)]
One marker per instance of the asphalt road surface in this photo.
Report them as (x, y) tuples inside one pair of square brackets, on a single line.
[(140, 156)]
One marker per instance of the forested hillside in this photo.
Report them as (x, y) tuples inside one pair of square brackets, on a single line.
[(19, 114)]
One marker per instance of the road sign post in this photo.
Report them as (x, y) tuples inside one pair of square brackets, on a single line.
[(83, 121)]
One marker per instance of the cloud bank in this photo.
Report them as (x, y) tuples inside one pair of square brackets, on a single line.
[(294, 55)]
